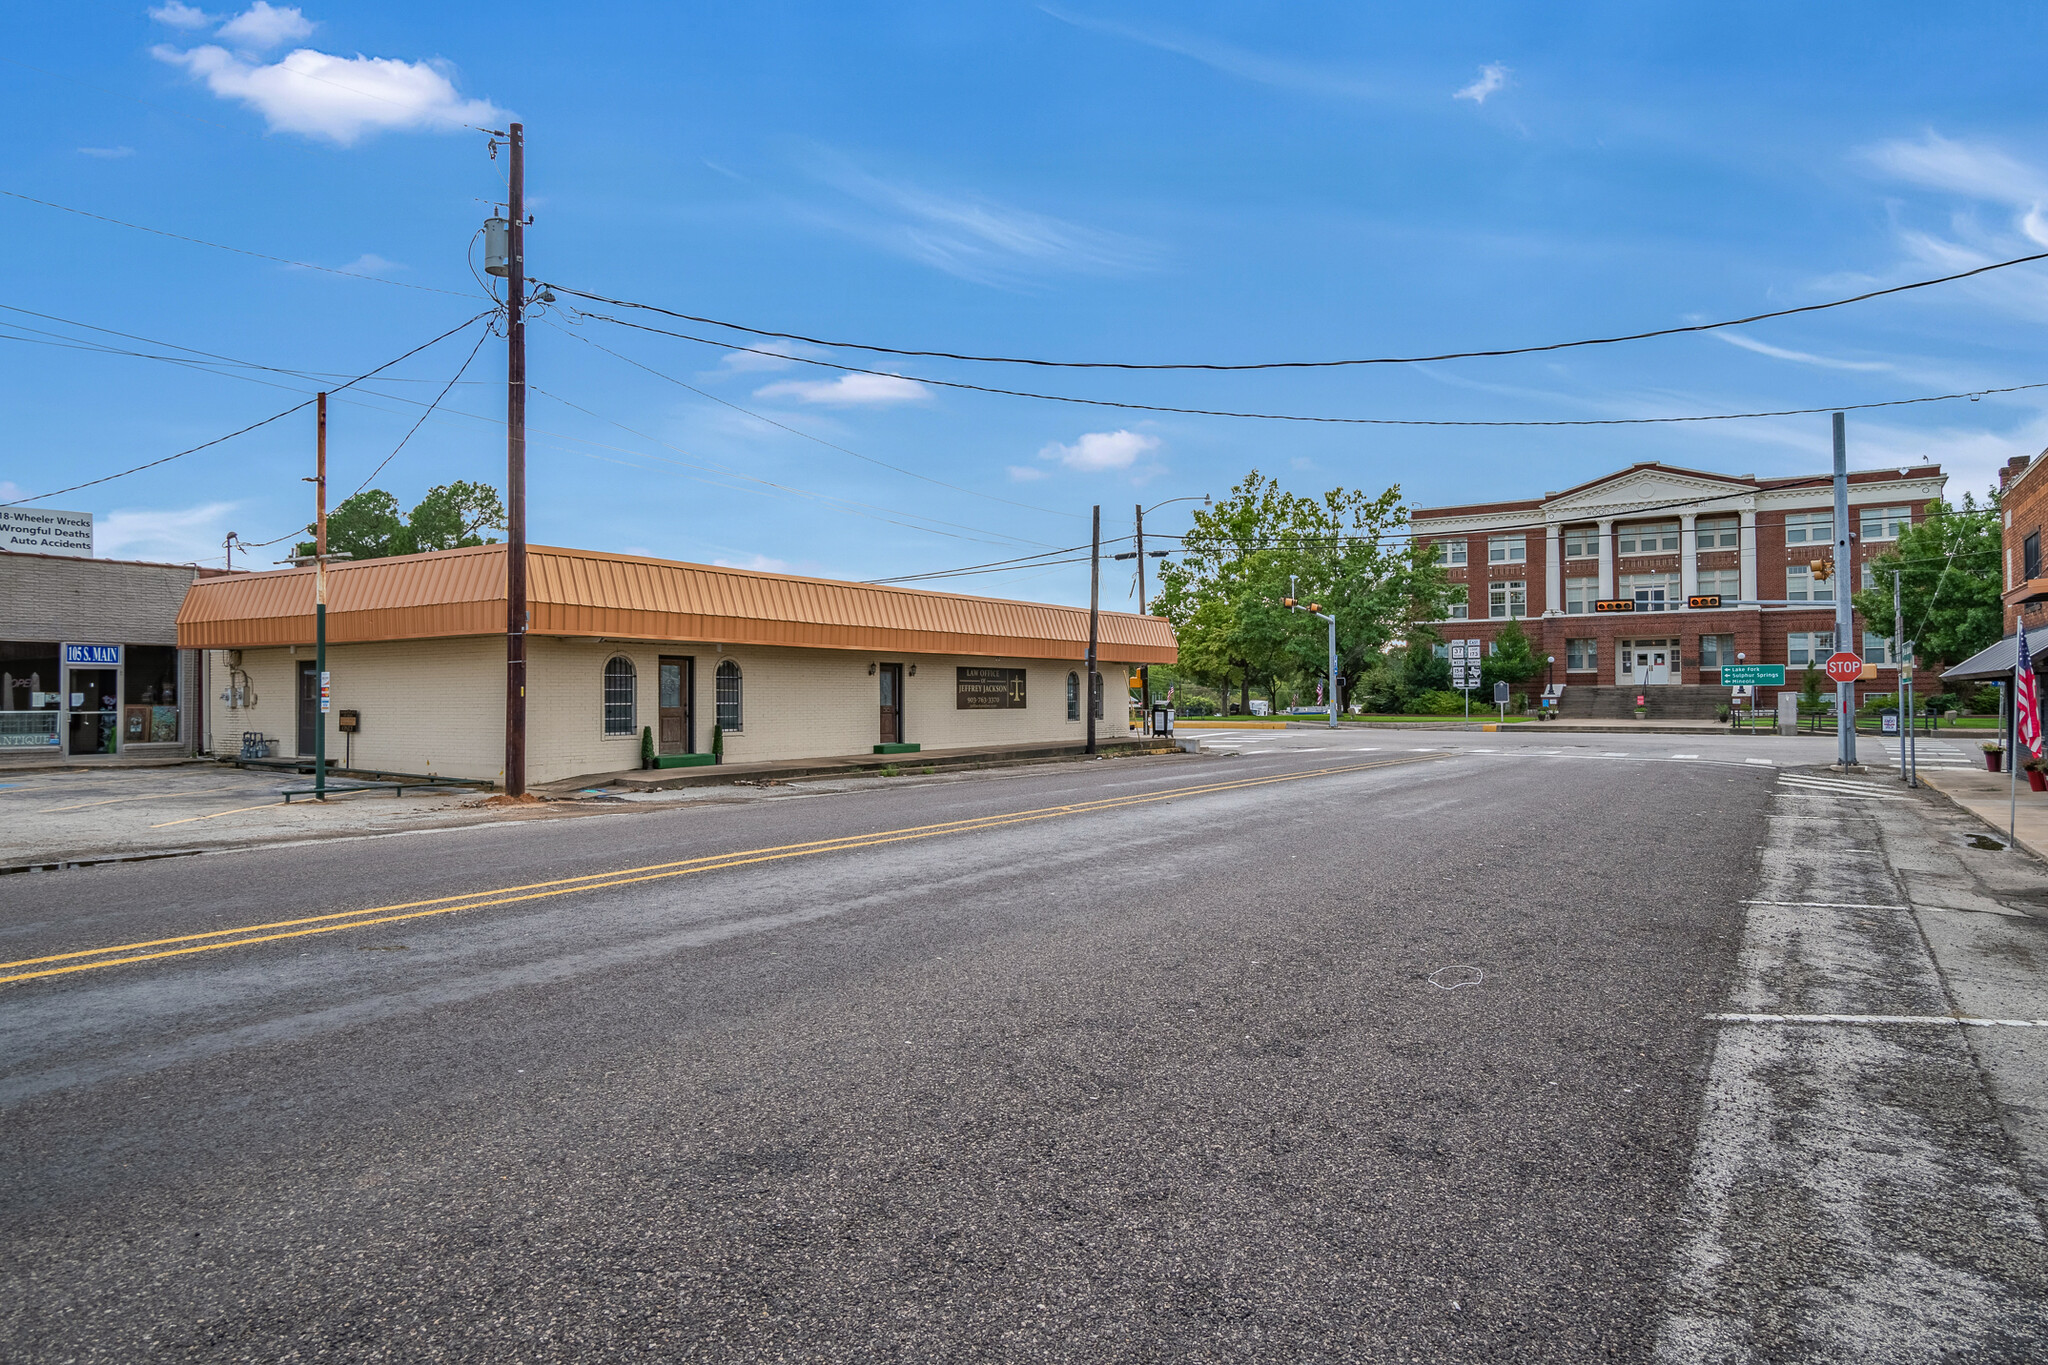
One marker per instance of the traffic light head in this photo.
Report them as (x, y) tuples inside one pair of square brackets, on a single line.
[(1287, 602), (1823, 569)]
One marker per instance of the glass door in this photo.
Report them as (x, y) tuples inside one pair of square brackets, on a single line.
[(892, 703), (678, 695), (95, 710)]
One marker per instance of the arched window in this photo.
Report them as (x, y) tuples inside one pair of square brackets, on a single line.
[(1073, 696), (730, 715), (619, 696)]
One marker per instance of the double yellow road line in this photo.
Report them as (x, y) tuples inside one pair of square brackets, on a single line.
[(150, 950)]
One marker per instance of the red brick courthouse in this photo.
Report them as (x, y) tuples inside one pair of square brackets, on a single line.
[(1657, 535)]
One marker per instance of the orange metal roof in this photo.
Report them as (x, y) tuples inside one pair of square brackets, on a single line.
[(624, 597)]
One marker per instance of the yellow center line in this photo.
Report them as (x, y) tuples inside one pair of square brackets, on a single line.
[(116, 800), (238, 810), (596, 881)]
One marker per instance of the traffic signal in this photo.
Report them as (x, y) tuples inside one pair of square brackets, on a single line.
[(1287, 602), (1823, 570)]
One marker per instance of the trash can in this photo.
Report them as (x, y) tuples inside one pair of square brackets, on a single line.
[(1162, 720)]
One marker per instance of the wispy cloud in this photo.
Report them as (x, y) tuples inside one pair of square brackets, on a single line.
[(1028, 473), (1230, 59), (263, 26), (176, 14), (1981, 174), (325, 96), (1974, 170), (971, 236), (848, 391), (758, 563), (171, 535), (107, 153), (762, 357), (1492, 78), (1803, 357)]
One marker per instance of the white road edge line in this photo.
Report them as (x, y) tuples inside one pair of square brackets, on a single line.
[(1828, 905), (1945, 1019)]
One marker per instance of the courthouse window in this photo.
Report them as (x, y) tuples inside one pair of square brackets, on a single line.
[(1508, 599), (1726, 582), (1506, 549), (1582, 656), (1582, 542), (1649, 539), (1579, 596), (1716, 650), (1885, 523), (1450, 553), (1803, 647), (1718, 533), (1800, 587), (1877, 649), (1810, 528), (1651, 591)]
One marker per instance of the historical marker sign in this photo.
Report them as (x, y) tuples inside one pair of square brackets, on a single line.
[(978, 688)]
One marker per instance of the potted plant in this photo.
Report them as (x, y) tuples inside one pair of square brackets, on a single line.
[(646, 746), (2037, 774), (1993, 754), (718, 744), (1721, 714)]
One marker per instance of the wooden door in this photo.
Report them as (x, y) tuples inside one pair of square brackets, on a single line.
[(678, 696), (892, 703), (309, 706)]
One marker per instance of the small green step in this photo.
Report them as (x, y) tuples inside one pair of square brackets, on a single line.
[(897, 748), (683, 761)]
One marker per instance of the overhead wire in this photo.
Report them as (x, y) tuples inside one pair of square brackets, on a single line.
[(243, 431), (482, 336), (1312, 364), (797, 431), (1334, 421)]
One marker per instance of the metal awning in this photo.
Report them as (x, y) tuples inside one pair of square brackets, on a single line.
[(1997, 661)]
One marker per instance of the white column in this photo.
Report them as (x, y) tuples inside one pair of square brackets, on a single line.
[(1688, 554), (1748, 540), (1607, 557), (1553, 569)]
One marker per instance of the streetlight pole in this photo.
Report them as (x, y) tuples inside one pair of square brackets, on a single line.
[(515, 470), (320, 604), (1094, 623)]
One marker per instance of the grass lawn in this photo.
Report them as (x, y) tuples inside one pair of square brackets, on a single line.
[(1488, 714)]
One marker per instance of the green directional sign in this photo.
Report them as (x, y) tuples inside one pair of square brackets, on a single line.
[(1752, 675)]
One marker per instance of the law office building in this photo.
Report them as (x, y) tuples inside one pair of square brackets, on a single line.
[(1654, 537), (784, 667)]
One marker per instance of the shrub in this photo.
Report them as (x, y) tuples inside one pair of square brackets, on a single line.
[(718, 743), (891, 770), (646, 746), (1437, 704)]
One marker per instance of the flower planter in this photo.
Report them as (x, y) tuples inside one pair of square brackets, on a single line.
[(1991, 758), (2037, 780)]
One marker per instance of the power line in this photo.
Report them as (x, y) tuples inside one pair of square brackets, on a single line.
[(274, 417), (1313, 364), (1335, 421), (482, 337), (994, 565), (797, 431), (239, 251)]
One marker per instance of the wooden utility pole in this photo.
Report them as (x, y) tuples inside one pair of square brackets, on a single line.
[(1094, 623), (1144, 671), (320, 606), (515, 473)]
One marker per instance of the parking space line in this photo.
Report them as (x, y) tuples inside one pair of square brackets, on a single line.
[(268, 805)]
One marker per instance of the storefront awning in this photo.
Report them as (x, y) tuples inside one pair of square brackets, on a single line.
[(584, 593), (1988, 665)]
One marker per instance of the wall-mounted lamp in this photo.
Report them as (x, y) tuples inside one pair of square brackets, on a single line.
[(871, 670), (913, 670)]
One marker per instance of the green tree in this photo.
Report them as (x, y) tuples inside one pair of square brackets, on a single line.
[(1949, 565), (1343, 550), (367, 525), (1513, 660)]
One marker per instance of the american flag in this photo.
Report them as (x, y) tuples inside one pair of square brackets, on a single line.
[(2026, 710)]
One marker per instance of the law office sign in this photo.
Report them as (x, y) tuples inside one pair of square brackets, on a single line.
[(42, 531), (978, 688)]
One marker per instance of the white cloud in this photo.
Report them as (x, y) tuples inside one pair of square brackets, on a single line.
[(1976, 171), (1803, 357), (848, 391), (180, 15), (370, 263), (1492, 77), (1101, 451), (337, 98), (972, 237), (262, 27), (171, 536), (753, 361), (757, 563), (1025, 473), (107, 153)]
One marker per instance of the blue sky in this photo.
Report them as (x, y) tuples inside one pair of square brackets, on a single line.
[(1075, 181)]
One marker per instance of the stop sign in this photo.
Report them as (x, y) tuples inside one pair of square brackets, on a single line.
[(1844, 667)]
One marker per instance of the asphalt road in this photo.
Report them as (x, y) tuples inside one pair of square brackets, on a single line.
[(1134, 1060)]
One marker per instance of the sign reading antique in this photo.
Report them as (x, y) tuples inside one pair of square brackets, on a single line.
[(980, 688), (1704, 602), (41, 531), (1615, 604)]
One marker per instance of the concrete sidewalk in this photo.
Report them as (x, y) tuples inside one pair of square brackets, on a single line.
[(851, 765), (1991, 798)]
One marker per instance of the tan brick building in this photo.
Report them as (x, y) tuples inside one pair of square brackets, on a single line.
[(787, 667), (1656, 537)]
